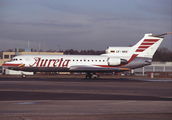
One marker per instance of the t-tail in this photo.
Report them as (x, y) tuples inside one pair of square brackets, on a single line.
[(140, 54), (148, 45), (146, 48)]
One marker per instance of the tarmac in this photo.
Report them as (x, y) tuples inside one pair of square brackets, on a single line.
[(76, 98)]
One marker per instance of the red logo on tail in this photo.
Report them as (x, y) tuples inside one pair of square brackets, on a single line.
[(146, 44)]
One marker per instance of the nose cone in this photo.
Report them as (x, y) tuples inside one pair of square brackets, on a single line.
[(4, 65), (8, 64)]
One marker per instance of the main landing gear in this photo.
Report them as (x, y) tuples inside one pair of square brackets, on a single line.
[(92, 76)]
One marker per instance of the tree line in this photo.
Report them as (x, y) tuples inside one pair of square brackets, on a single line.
[(162, 54)]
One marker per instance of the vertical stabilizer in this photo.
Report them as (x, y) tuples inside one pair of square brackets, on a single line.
[(147, 46)]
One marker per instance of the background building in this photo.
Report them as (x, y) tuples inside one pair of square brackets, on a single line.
[(154, 67)]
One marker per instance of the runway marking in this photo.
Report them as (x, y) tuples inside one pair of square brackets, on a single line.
[(25, 103), (153, 80), (157, 80), (121, 102)]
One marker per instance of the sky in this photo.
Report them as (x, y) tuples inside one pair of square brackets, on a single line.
[(82, 24)]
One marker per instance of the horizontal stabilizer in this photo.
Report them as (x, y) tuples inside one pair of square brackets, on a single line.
[(160, 35)]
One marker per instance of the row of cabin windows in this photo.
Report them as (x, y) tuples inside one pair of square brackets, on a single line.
[(78, 60), (91, 60)]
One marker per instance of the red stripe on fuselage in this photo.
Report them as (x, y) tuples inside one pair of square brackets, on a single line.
[(132, 57), (13, 65)]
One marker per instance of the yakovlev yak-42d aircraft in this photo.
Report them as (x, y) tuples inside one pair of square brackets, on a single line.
[(116, 59)]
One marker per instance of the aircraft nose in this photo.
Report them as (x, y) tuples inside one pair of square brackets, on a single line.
[(8, 64), (5, 65)]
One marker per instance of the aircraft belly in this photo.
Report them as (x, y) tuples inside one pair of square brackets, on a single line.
[(43, 69), (93, 69), (138, 62)]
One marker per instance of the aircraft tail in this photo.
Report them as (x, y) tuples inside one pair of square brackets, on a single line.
[(148, 45)]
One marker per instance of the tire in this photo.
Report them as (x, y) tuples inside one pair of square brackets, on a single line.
[(23, 76)]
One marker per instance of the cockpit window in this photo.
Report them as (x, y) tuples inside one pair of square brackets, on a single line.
[(10, 60), (13, 59)]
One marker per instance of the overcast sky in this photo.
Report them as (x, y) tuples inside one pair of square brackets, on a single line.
[(82, 24)]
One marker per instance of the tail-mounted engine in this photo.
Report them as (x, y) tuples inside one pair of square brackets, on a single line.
[(112, 61)]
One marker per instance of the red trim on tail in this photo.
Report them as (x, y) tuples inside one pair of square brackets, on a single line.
[(138, 50), (150, 40), (148, 43), (143, 46)]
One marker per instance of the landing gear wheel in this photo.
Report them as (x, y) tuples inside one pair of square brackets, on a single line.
[(88, 76), (23, 76), (92, 76)]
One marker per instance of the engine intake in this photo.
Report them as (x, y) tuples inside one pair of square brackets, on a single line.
[(116, 61)]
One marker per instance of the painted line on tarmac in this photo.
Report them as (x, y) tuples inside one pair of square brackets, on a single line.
[(154, 80)]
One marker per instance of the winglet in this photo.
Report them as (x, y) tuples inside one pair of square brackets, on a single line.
[(161, 34)]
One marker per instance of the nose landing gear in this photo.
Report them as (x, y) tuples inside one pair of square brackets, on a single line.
[(23, 76)]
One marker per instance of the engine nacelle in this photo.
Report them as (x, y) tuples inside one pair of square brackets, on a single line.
[(112, 61)]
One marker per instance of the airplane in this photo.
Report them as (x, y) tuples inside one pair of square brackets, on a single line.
[(116, 59)]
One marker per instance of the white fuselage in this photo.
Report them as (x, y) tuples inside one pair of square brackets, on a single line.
[(62, 60), (116, 59)]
